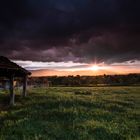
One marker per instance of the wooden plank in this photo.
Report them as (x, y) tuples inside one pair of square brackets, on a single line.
[(24, 93), (12, 95)]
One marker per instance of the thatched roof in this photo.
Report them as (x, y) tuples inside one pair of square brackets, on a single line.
[(8, 68)]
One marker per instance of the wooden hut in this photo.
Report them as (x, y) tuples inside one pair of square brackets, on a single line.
[(11, 70)]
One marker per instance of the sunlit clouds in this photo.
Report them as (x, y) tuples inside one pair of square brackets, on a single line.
[(72, 68)]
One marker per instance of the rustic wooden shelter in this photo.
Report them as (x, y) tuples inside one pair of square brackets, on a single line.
[(11, 70)]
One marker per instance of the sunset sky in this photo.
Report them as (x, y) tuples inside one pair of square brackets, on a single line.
[(71, 37)]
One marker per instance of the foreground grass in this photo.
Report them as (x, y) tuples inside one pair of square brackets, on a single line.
[(107, 113)]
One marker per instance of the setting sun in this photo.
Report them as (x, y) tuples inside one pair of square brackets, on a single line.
[(95, 68)]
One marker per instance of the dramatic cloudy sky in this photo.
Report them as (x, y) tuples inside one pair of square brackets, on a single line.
[(71, 34)]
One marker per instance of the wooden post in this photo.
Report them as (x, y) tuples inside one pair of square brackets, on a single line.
[(24, 86), (11, 88)]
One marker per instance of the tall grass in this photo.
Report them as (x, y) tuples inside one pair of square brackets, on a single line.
[(108, 113)]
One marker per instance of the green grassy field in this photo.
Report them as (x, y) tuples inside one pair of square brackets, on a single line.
[(103, 113)]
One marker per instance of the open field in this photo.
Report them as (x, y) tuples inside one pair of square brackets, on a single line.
[(103, 113)]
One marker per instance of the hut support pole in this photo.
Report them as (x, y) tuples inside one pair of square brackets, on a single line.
[(24, 93), (12, 95)]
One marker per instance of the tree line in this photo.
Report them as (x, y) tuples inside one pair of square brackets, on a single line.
[(102, 80)]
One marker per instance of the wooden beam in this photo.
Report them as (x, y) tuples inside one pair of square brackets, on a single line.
[(11, 88), (24, 93)]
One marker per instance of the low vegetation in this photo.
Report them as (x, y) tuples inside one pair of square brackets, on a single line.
[(101, 113)]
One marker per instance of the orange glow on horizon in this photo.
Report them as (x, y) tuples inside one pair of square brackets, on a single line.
[(94, 70)]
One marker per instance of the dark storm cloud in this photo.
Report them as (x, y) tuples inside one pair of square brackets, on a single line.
[(70, 30)]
